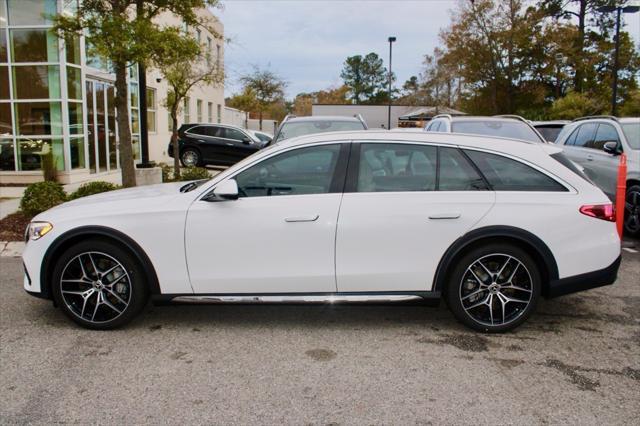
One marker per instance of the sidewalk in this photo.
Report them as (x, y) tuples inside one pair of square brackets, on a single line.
[(11, 248), (8, 207)]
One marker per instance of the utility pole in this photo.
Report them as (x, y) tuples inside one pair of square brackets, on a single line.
[(391, 40)]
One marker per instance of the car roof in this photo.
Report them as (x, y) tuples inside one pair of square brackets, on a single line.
[(492, 143), (323, 118), (550, 123), (483, 118)]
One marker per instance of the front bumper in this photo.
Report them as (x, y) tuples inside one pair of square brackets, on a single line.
[(599, 278)]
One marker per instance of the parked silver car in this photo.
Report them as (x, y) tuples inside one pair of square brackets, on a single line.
[(596, 143), (506, 126)]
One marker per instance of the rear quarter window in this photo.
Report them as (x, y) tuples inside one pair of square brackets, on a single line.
[(506, 174)]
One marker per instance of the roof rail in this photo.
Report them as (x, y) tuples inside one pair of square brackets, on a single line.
[(514, 116), (442, 116), (361, 118), (589, 117)]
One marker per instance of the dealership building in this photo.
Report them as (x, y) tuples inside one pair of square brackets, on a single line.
[(56, 98)]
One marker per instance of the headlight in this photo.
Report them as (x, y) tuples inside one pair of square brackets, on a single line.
[(37, 230)]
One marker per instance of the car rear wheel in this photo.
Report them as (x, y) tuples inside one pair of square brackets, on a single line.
[(99, 285), (494, 288), (632, 211), (190, 158)]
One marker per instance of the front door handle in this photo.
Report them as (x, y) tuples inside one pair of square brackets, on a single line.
[(302, 218), (450, 215)]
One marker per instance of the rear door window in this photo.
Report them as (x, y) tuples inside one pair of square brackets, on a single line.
[(456, 173), (506, 174)]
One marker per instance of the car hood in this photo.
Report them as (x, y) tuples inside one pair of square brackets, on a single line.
[(130, 200)]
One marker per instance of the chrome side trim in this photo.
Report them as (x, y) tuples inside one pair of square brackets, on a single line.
[(298, 299)]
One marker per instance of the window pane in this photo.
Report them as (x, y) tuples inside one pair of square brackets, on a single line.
[(151, 98), (135, 142), (3, 46), (74, 83), (38, 118), (135, 120), (32, 152), (505, 174), (234, 134), (77, 153), (4, 82), (151, 121), (397, 167), (585, 134), (36, 82), (7, 160), (456, 174), (605, 133), (3, 14), (297, 172), (133, 88), (199, 110), (72, 45), (6, 128), (34, 45), (75, 118), (31, 12), (632, 134)]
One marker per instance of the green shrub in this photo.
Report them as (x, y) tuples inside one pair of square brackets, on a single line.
[(194, 173), (42, 196), (92, 188), (167, 172)]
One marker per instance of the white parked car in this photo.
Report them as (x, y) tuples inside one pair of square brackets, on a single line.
[(489, 224)]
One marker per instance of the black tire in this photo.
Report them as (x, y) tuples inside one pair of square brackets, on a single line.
[(464, 287), (190, 157), (632, 211), (120, 293)]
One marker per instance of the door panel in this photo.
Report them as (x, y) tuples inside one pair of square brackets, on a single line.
[(394, 241), (279, 244)]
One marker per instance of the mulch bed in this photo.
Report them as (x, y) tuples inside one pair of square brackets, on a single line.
[(12, 227)]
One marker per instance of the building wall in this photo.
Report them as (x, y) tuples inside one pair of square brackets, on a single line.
[(268, 126), (235, 117), (48, 89), (374, 115)]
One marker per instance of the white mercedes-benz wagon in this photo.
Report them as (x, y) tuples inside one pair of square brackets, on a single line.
[(488, 224)]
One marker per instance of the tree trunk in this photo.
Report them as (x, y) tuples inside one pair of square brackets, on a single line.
[(580, 46), (124, 132), (174, 142), (260, 112)]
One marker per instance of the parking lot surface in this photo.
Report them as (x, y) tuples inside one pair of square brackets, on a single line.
[(577, 360)]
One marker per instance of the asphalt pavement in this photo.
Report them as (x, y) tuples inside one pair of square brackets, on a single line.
[(576, 361)]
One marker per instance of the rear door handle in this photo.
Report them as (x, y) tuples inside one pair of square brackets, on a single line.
[(302, 218), (451, 215)]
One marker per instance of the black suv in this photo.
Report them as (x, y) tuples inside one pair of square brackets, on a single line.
[(215, 144)]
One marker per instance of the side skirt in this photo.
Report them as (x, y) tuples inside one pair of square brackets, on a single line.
[(427, 297)]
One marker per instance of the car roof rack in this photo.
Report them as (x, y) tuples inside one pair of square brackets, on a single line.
[(442, 116), (514, 116), (589, 117)]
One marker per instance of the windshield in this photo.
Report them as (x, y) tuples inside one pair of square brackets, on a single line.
[(549, 133), (506, 129), (262, 137), (300, 128), (632, 133)]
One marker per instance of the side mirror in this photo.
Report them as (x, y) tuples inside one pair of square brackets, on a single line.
[(225, 190), (612, 147), (246, 140)]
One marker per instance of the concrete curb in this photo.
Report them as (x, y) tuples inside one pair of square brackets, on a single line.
[(11, 248)]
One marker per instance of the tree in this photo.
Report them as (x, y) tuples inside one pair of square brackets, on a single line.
[(244, 101), (575, 105), (124, 33), (184, 64), (366, 77), (267, 86)]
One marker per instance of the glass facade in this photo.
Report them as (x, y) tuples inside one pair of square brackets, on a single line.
[(49, 103)]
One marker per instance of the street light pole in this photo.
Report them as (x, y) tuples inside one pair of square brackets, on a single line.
[(391, 40), (614, 81)]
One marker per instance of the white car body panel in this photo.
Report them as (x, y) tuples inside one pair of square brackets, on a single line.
[(263, 244), (412, 232)]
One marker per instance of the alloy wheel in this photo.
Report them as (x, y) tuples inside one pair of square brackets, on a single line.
[(95, 287), (496, 289), (190, 158), (632, 211)]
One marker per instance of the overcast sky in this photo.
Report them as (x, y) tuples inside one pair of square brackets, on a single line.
[(307, 41)]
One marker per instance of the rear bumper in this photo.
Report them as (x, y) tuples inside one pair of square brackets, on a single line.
[(599, 278)]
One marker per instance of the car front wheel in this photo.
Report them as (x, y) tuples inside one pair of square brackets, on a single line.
[(494, 288), (632, 211), (99, 285)]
